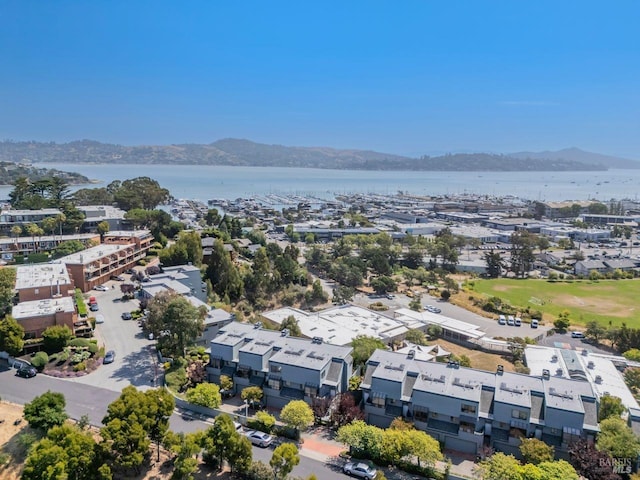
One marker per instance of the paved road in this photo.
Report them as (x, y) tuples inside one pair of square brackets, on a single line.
[(564, 340), (93, 401), (135, 354)]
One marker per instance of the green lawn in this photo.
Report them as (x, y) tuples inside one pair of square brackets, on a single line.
[(617, 301)]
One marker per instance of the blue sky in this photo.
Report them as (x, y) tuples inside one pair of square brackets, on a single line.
[(406, 77)]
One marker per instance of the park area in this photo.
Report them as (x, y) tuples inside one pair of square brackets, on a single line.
[(605, 301)]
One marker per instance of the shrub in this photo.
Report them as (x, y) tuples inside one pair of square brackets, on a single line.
[(40, 360), (82, 307), (79, 367), (55, 338), (205, 394), (63, 357), (53, 358), (78, 342), (263, 421), (93, 348), (79, 357)]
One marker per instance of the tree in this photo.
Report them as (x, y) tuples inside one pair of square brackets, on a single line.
[(617, 439), (140, 192), (342, 294), (562, 322), (284, 458), (424, 447), (49, 224), (266, 421), (494, 263), (416, 303), (66, 452), (632, 354), (240, 454), (536, 451), (223, 273), (219, 438), (416, 337), (132, 421), (226, 384), (103, 228), (363, 348), (253, 395), (16, 231), (186, 462), (346, 410), (361, 438), (297, 414), (292, 325), (383, 284), (174, 322), (55, 338), (11, 335), (205, 394), (522, 258), (610, 406), (46, 411), (500, 467), (591, 463), (595, 332)]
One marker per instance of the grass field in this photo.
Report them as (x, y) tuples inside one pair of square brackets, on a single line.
[(615, 301)]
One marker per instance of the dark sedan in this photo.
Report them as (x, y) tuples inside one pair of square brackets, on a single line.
[(27, 371), (109, 357)]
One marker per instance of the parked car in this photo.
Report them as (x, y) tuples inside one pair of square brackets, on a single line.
[(126, 316), (130, 271), (99, 318), (100, 288), (109, 357), (92, 300), (534, 323), (502, 320), (511, 321), (259, 438), (432, 309), (238, 427), (118, 278), (94, 307), (577, 335), (27, 371), (361, 470), (517, 321)]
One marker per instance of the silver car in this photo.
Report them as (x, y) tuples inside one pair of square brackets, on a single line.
[(361, 470), (259, 438)]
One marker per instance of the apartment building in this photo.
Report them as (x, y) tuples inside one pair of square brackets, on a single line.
[(9, 247), (37, 315), (42, 281), (285, 368), (96, 214), (119, 252), (467, 409), (11, 218)]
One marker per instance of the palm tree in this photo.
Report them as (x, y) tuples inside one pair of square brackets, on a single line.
[(61, 218), (16, 230)]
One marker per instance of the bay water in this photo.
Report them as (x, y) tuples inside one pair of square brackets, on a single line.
[(199, 182)]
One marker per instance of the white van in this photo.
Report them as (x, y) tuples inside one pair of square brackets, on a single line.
[(534, 323), (502, 320)]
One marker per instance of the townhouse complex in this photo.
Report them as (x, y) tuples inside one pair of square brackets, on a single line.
[(466, 409), (286, 368)]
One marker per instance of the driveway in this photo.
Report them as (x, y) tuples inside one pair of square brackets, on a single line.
[(135, 358), (564, 340)]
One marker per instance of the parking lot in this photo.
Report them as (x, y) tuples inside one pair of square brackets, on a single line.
[(135, 358)]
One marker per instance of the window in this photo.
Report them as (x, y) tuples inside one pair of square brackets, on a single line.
[(311, 391), (274, 383), (519, 414), (420, 415), (36, 291), (467, 427), (378, 401), (216, 362), (470, 409), (275, 369)]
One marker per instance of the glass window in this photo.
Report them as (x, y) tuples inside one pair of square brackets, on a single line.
[(465, 408), (519, 414)]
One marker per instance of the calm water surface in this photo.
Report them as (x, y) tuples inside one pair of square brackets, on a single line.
[(206, 182)]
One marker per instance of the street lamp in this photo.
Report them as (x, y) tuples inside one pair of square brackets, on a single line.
[(246, 408)]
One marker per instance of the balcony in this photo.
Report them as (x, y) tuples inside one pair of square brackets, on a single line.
[(293, 393), (443, 426)]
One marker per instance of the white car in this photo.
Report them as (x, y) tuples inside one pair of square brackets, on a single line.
[(100, 288), (99, 318), (259, 438), (361, 470)]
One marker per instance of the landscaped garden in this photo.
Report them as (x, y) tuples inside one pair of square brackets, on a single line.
[(605, 301)]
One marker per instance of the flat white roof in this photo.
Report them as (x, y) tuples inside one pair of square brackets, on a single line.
[(39, 308), (340, 325), (41, 275), (92, 254), (47, 238), (458, 326), (598, 370), (128, 233)]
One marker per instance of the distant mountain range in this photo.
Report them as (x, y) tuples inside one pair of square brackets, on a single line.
[(238, 152)]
